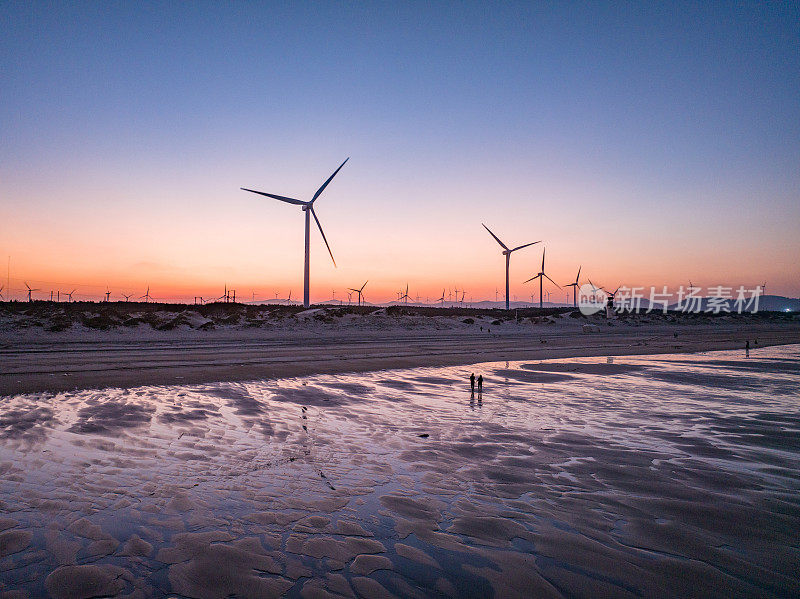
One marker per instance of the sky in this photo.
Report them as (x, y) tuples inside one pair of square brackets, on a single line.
[(649, 143)]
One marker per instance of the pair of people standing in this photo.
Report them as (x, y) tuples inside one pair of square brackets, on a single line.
[(472, 382)]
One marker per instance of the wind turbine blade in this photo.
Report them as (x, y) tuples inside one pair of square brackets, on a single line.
[(551, 280), (275, 197), (497, 239), (324, 185), (532, 278), (364, 285), (519, 247), (578, 278), (314, 214), (544, 251)]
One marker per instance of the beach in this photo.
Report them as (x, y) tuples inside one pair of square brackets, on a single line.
[(319, 341), (628, 476)]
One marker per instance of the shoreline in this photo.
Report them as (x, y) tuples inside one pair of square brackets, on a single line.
[(69, 365)]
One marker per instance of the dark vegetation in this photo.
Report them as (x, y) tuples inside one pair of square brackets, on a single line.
[(54, 316)]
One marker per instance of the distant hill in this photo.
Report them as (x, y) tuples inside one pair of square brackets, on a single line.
[(766, 303)]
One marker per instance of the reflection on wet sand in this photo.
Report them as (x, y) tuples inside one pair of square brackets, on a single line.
[(664, 476)]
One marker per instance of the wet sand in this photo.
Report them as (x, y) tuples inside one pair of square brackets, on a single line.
[(659, 476), (50, 363)]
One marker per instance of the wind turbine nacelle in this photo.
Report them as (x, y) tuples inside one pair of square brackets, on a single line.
[(506, 252)]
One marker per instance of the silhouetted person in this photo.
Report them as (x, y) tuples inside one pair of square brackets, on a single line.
[(472, 382), (480, 383)]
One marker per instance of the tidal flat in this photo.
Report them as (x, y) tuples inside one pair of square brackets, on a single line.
[(645, 476)]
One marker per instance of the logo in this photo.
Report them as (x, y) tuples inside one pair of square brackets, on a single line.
[(591, 299)]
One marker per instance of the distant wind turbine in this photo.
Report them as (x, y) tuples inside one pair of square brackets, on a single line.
[(404, 296), (127, 297), (146, 295), (308, 208), (441, 299), (358, 291), (575, 289), (30, 291), (69, 296), (507, 253), (108, 295), (595, 289), (541, 276)]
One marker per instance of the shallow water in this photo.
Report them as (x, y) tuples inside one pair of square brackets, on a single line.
[(648, 476)]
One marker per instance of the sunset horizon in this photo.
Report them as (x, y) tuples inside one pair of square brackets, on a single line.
[(121, 169)]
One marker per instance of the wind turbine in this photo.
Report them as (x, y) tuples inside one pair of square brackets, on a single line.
[(405, 295), (108, 294), (441, 299), (69, 296), (127, 297), (575, 289), (595, 289), (542, 276), (146, 296), (610, 299), (358, 291), (349, 297), (30, 291), (308, 208), (507, 253)]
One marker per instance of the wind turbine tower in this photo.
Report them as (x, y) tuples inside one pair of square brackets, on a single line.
[(360, 291), (541, 276), (575, 289), (507, 253), (30, 291), (308, 208)]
